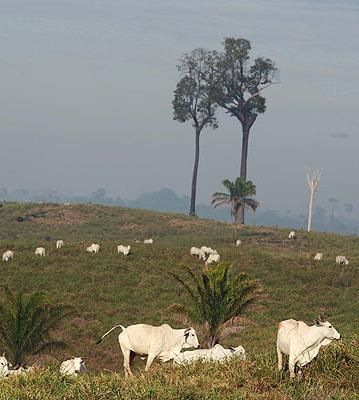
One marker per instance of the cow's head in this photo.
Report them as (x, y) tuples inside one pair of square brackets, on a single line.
[(329, 331), (79, 365), (4, 365), (190, 338)]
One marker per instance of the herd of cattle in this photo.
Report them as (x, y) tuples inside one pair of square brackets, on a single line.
[(299, 341)]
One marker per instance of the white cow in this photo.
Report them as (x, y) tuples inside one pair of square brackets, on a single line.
[(4, 366), (94, 248), (238, 242), (195, 251), (125, 250), (209, 250), (302, 342), (59, 244), (292, 235), (160, 342), (341, 260), (8, 255), (21, 371), (73, 367), (213, 258), (318, 257), (217, 353), (148, 241), (40, 251)]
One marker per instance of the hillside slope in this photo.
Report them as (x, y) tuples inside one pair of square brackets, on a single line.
[(108, 289)]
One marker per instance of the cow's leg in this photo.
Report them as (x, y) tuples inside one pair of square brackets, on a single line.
[(150, 358), (280, 358), (292, 362), (126, 360)]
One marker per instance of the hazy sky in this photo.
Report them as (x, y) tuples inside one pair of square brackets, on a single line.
[(87, 85)]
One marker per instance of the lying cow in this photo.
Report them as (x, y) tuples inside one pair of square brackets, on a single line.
[(59, 244), (125, 250), (216, 353), (160, 342), (8, 255), (40, 251), (318, 257), (73, 367), (148, 241), (94, 248), (341, 260), (4, 366), (302, 342), (195, 251), (213, 258)]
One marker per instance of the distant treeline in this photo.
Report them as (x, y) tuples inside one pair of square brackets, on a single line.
[(167, 200)]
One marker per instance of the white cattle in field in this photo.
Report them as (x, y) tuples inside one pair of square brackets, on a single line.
[(302, 342), (341, 260), (73, 367), (8, 255), (40, 251), (238, 242), (160, 342), (213, 258), (208, 250), (21, 371), (195, 251), (148, 241), (59, 244), (217, 353), (94, 248), (292, 235), (4, 366), (125, 250), (318, 257)]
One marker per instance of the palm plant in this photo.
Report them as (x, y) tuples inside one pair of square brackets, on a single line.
[(26, 324), (218, 302), (239, 196)]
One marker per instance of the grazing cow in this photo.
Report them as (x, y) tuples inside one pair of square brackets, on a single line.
[(302, 342), (73, 367), (59, 244), (238, 242), (318, 257), (195, 251), (292, 235), (94, 248), (162, 342), (217, 353), (125, 250), (341, 260), (213, 258), (148, 241), (4, 366), (40, 251), (8, 255)]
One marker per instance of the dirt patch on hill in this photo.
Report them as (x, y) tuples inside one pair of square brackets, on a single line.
[(56, 215), (186, 223)]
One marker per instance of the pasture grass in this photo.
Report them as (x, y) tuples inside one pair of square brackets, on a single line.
[(107, 289)]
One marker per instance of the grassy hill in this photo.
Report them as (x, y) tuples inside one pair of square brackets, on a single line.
[(108, 288)]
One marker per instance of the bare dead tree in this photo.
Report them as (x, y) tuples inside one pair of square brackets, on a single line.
[(313, 179)]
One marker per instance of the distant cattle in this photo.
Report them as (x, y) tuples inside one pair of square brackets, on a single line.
[(292, 235), (341, 260), (59, 244), (238, 242), (94, 248), (8, 255), (208, 250), (318, 257), (73, 367), (40, 251), (148, 241), (160, 342), (213, 258), (195, 251), (125, 250), (217, 353), (302, 342)]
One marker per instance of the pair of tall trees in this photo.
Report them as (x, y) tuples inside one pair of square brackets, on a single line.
[(227, 79)]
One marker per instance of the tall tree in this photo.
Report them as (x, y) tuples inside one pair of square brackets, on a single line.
[(313, 179), (240, 195), (218, 302), (193, 100), (241, 90), (27, 323)]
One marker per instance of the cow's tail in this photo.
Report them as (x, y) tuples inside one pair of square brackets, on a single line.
[(113, 328)]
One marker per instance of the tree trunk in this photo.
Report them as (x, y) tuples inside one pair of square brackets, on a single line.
[(192, 210), (310, 210), (244, 156), (210, 341)]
